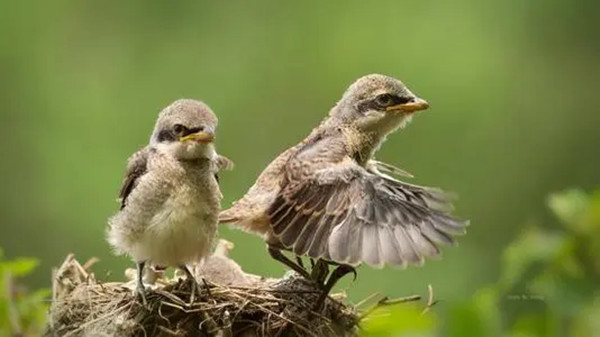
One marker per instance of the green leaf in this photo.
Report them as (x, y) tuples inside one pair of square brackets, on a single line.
[(570, 207), (586, 323), (533, 324), (533, 246), (399, 320), (591, 220), (21, 266), (478, 316)]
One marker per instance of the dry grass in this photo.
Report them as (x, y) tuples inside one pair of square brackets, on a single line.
[(83, 306)]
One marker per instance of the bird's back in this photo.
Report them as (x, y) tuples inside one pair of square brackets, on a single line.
[(249, 212)]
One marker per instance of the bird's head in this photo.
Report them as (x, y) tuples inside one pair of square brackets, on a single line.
[(186, 130), (377, 104)]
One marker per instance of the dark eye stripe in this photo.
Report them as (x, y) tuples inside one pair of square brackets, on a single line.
[(402, 100), (384, 100), (166, 135), (372, 103), (169, 135), (194, 130), (367, 105)]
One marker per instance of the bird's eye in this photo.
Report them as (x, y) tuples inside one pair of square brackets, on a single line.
[(384, 100), (179, 129)]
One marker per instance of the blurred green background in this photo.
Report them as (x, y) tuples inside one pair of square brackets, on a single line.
[(513, 87)]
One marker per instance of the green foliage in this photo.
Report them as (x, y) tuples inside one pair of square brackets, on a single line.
[(514, 109), (22, 312), (548, 285), (401, 320), (549, 278)]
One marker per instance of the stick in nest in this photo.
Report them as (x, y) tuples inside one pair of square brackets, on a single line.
[(83, 306), (238, 304)]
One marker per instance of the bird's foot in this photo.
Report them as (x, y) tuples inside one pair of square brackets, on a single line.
[(339, 272), (140, 289), (319, 272), (141, 293), (194, 287), (299, 262), (278, 255)]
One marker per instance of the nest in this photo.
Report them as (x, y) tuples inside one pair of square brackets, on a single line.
[(230, 303)]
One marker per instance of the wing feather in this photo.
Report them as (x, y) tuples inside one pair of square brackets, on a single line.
[(347, 214), (137, 166)]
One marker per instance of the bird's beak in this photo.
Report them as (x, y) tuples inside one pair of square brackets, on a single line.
[(200, 137), (416, 105)]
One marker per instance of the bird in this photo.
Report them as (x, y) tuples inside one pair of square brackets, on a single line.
[(328, 198), (170, 197)]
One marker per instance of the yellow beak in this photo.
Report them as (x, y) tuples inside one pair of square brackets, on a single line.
[(200, 137), (416, 105)]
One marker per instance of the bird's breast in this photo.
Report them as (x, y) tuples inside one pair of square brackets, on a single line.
[(184, 228), (190, 204)]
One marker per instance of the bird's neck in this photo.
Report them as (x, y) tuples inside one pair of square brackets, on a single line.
[(359, 144)]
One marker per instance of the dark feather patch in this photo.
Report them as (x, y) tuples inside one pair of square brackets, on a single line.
[(136, 167)]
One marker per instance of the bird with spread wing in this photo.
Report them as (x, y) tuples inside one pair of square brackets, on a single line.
[(329, 199)]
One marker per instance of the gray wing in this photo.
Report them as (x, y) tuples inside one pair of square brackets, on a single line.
[(348, 215), (137, 166)]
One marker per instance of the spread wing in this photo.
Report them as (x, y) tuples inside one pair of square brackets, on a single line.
[(136, 167), (350, 215), (376, 166)]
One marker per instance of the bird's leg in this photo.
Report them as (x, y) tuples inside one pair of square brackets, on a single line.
[(319, 272), (335, 276), (278, 255), (206, 286), (141, 291), (195, 288), (299, 261)]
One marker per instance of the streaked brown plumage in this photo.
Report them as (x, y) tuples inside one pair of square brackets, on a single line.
[(328, 199)]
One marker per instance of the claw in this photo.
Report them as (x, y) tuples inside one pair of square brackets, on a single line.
[(141, 293), (354, 274), (335, 276), (278, 255), (319, 272), (299, 261), (194, 285), (140, 289)]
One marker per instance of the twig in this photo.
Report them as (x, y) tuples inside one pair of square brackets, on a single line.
[(430, 300), (90, 306), (387, 302), (227, 326), (89, 263), (15, 320), (103, 317), (366, 299), (169, 331), (283, 318)]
